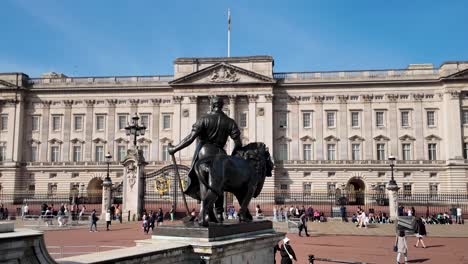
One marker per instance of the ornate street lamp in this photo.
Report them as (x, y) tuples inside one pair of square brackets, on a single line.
[(108, 161), (135, 129), (392, 183)]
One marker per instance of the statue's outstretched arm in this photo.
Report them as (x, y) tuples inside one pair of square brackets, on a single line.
[(184, 143), (237, 144)]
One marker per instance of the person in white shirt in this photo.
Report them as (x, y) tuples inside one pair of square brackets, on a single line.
[(459, 215), (108, 219), (410, 213), (25, 210)]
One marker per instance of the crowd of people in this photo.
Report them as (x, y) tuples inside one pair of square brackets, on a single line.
[(283, 214)]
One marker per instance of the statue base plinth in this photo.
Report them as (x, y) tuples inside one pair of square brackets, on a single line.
[(214, 232)]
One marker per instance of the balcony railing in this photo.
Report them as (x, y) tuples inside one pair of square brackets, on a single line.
[(102, 80), (405, 74), (359, 162)]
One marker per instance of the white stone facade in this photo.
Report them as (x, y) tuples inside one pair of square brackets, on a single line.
[(326, 130)]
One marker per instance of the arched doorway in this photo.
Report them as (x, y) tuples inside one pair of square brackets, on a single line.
[(94, 191), (356, 188)]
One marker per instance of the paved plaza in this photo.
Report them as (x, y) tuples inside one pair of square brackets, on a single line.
[(333, 240)]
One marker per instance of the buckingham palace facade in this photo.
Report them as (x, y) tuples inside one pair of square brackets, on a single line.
[(326, 130)]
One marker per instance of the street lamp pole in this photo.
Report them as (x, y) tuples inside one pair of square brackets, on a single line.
[(392, 192)]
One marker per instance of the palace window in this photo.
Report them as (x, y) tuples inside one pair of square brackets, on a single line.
[(306, 187), (56, 123), (307, 151), (381, 174), (381, 151), (3, 122), (432, 151), (75, 174), (76, 153), (35, 122), (379, 119), (121, 152), (331, 189), (51, 189), (331, 119), (355, 151), (243, 119), (433, 190), (406, 148), (99, 153), (431, 118), (407, 190), (122, 121), (78, 122), (306, 119), (465, 150), (165, 154), (405, 119), (34, 153), (145, 150), (283, 119), (354, 119), (2, 153), (100, 122), (283, 151), (284, 187), (144, 121), (166, 121), (465, 117), (331, 151), (54, 153)]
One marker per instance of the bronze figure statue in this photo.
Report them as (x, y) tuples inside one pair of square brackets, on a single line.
[(213, 171)]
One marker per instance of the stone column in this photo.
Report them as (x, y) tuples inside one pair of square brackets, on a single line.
[(67, 129), (252, 117), (393, 201), (106, 197), (155, 135), (293, 127), (111, 126), (367, 128), (393, 129), (319, 128), (343, 128), (418, 127), (133, 184), (232, 114), (269, 115), (89, 130), (450, 121), (45, 129)]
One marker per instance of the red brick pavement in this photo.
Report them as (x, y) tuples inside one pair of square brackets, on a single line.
[(351, 248)]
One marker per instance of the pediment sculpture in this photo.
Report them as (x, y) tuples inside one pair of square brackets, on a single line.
[(224, 74)]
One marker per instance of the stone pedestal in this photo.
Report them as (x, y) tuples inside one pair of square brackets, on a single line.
[(230, 242), (22, 245), (133, 184), (393, 201), (106, 196)]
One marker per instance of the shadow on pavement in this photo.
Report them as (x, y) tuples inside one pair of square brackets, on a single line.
[(418, 260)]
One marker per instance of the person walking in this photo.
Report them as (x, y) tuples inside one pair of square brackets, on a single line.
[(118, 216), (145, 223), (459, 216), (94, 220), (344, 218), (83, 209), (172, 212), (420, 232), (287, 252), (25, 210), (108, 219), (159, 220), (303, 223), (401, 247), (275, 212)]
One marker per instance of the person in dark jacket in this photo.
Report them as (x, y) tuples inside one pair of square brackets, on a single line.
[(303, 223), (287, 253), (420, 232)]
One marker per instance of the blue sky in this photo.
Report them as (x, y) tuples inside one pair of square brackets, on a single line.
[(116, 37)]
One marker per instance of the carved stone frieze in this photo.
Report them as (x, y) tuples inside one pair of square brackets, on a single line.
[(232, 98), (134, 102), (392, 97), (454, 93), (418, 96), (193, 99), (112, 102), (90, 102), (319, 98), (156, 101), (46, 103), (252, 98), (367, 97), (177, 99), (68, 103), (294, 99), (343, 98), (269, 98), (224, 74)]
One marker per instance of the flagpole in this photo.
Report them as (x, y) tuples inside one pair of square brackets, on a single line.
[(229, 33)]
